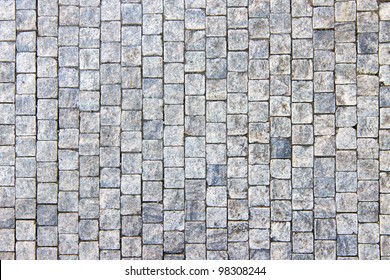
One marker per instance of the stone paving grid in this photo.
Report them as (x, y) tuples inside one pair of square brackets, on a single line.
[(194, 129)]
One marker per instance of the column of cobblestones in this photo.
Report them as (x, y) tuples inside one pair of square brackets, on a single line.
[(280, 128), (110, 200), (27, 209), (153, 116), (89, 106), (346, 145), (237, 127), (152, 142), (194, 129), (367, 128), (302, 130), (7, 145), (46, 140), (216, 148), (192, 51), (195, 132), (173, 93), (384, 134), (259, 144), (131, 129), (324, 129), (70, 164)]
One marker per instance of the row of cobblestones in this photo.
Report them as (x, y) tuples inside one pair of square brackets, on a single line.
[(195, 129)]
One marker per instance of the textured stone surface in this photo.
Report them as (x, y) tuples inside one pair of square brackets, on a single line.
[(218, 129)]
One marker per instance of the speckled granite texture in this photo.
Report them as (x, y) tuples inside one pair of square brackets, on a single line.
[(194, 129)]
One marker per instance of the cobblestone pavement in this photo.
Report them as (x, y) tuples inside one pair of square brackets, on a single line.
[(194, 129)]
